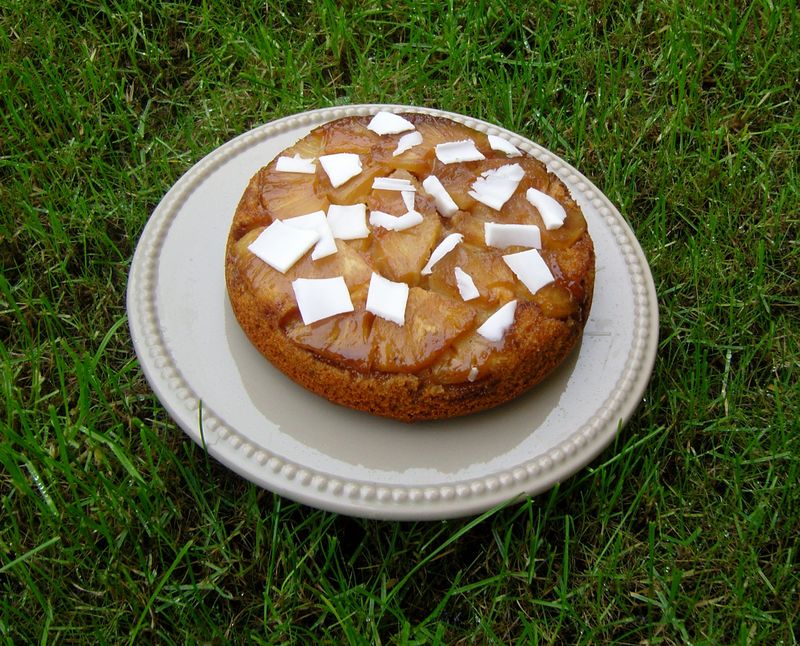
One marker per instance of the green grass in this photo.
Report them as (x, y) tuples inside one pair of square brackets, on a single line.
[(114, 527)]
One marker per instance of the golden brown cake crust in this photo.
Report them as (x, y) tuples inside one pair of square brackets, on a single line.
[(546, 328)]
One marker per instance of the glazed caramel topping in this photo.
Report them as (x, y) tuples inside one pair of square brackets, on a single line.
[(439, 334)]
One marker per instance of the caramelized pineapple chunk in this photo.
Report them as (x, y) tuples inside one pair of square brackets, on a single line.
[(570, 268), (418, 160), (346, 262), (355, 190), (455, 365), (285, 195), (516, 211), (471, 227), (387, 201), (494, 280), (349, 136), (519, 210), (401, 255), (309, 147), (432, 323), (556, 301), (435, 131), (457, 180), (568, 233), (536, 175), (345, 337), (266, 284)]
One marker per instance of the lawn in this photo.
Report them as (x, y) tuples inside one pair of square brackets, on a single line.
[(115, 527)]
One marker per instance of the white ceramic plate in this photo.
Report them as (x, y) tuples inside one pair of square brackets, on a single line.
[(250, 417)]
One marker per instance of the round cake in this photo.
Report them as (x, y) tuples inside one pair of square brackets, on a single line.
[(410, 266)]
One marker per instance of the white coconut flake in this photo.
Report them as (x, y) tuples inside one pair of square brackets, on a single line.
[(511, 171), (494, 194), (348, 222), (392, 184), (388, 123), (465, 284), (512, 235), (495, 187), (444, 203), (408, 199), (281, 246), (473, 374), (453, 152), (395, 222), (530, 268), (407, 142), (551, 211), (296, 164), (504, 146), (495, 327), (387, 299), (316, 221), (442, 249), (341, 167), (320, 298)]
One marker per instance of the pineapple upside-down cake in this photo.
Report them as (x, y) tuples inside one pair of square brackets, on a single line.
[(409, 266)]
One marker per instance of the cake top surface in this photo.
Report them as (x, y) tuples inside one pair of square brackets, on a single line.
[(410, 244)]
